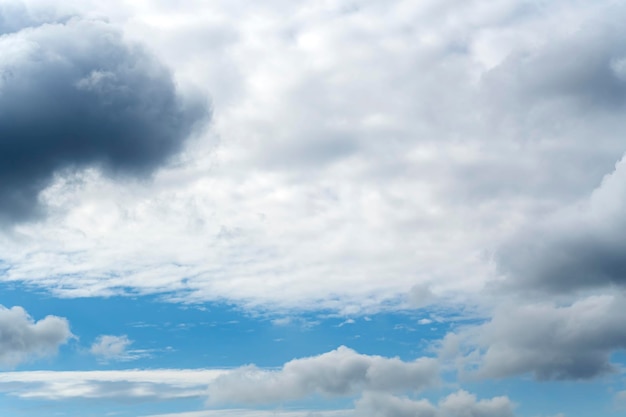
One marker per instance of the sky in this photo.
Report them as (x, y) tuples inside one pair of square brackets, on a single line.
[(347, 208)]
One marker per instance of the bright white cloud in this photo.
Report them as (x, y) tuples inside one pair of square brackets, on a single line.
[(340, 372), (22, 338)]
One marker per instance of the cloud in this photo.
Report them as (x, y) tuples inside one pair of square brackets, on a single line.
[(259, 413), (466, 123), (76, 94), (579, 247), (459, 404), (122, 385), (620, 400), (115, 348), (340, 372), (549, 342), (22, 338)]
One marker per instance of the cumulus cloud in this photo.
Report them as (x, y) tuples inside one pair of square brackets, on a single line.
[(579, 247), (573, 342), (22, 338), (74, 94), (459, 404), (337, 373)]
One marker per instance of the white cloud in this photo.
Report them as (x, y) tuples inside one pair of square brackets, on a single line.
[(356, 152), (340, 372), (260, 413), (459, 404), (109, 347), (133, 384), (22, 338)]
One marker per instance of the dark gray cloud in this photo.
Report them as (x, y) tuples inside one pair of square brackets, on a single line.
[(21, 338), (549, 342), (76, 94)]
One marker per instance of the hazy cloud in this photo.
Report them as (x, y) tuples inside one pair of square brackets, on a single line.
[(120, 385), (22, 338)]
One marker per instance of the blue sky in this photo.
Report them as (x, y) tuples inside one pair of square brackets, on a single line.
[(312, 209)]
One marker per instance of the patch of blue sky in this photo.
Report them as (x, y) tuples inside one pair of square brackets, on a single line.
[(215, 335)]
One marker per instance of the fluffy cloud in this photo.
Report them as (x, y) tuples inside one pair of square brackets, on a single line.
[(76, 94), (459, 404), (110, 346), (466, 121), (22, 338), (550, 342), (577, 248), (336, 373)]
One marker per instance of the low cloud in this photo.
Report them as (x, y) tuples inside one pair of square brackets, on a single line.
[(459, 404), (580, 247), (340, 372), (22, 338), (549, 342)]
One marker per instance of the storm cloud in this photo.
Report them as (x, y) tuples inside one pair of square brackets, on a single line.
[(76, 94)]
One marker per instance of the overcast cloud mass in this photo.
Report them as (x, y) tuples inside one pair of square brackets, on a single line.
[(329, 208)]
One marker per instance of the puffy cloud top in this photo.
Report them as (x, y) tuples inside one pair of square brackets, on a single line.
[(339, 372), (22, 338)]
